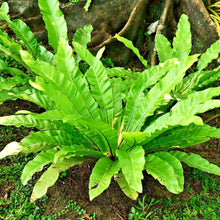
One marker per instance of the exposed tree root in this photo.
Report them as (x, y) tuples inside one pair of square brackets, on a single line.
[(136, 19), (161, 25), (127, 18)]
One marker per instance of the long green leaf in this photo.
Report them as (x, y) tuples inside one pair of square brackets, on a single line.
[(33, 95), (196, 161), (135, 50), (159, 126), (25, 120), (210, 54), (65, 64), (65, 61), (77, 151), (99, 83), (72, 96), (208, 77), (117, 102), (126, 188), (163, 47), (182, 137), (37, 140), (10, 82), (182, 43), (10, 49), (4, 11), (191, 104), (13, 148), (37, 164), (54, 21), (182, 113), (50, 176), (24, 33), (83, 35), (101, 176), (167, 170), (132, 163)]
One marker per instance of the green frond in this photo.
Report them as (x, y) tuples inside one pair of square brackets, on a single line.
[(68, 94), (50, 176), (66, 65), (99, 83), (10, 49), (125, 187), (117, 102), (36, 141), (132, 164), (24, 33), (181, 137), (162, 124), (167, 169), (182, 43), (163, 47), (33, 95), (146, 79), (79, 151), (129, 44), (54, 21), (4, 10), (27, 121), (101, 176), (211, 53), (83, 35), (196, 161), (37, 164)]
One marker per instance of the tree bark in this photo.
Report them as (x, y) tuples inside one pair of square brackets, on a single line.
[(128, 18)]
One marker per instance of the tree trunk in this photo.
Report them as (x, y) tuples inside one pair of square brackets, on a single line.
[(128, 18)]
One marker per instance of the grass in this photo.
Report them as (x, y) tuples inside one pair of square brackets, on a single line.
[(14, 200), (202, 205)]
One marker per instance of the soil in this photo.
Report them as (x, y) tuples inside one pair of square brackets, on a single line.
[(112, 203)]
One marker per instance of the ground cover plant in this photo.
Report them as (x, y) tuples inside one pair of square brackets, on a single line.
[(125, 122), (202, 205)]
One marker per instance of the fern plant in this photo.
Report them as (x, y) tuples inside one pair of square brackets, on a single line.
[(112, 117), (182, 44)]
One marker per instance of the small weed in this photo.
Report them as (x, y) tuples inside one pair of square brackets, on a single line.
[(71, 205), (11, 133), (107, 62), (14, 201), (141, 211), (63, 174)]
